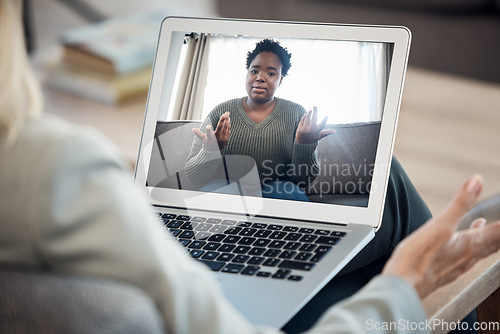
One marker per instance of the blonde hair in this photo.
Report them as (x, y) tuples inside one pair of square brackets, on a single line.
[(20, 93)]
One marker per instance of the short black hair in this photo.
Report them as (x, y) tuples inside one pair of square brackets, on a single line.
[(269, 45)]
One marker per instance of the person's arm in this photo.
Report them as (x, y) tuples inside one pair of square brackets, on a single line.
[(307, 135), (205, 157)]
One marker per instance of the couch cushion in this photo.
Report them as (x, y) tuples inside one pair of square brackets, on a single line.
[(346, 160)]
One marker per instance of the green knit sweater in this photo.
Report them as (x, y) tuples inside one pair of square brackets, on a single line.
[(269, 146)]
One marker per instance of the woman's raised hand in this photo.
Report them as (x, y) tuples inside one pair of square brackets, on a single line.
[(436, 253), (309, 131), (216, 140)]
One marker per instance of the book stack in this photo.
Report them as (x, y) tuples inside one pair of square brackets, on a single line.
[(108, 62)]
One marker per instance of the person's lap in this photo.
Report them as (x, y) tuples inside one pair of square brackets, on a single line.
[(404, 212)]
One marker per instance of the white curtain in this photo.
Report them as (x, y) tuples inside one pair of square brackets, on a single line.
[(189, 98)]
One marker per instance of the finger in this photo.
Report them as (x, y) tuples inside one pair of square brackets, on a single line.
[(326, 132), (323, 123), (463, 201), (199, 134), (478, 223), (210, 134), (314, 116), (307, 118)]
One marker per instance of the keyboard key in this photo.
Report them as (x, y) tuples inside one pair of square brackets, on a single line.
[(214, 265), (175, 232), (306, 230), (295, 278), (287, 254), (256, 260), (250, 270), (272, 253), (290, 229), (211, 246), (257, 251), (226, 257), (168, 216), (197, 244), (233, 230), (183, 217), (202, 235), (233, 268), (198, 219), (322, 232), (218, 229), (292, 245), (281, 274), (229, 222), (187, 234), (248, 232), (259, 225), (293, 236), (328, 240), (196, 253), (303, 256), (213, 220), (241, 258), (246, 241), (232, 239), (275, 227), (210, 255), (277, 244), (277, 235), (241, 250), (175, 224), (323, 249), (262, 242), (271, 262), (309, 238), (244, 224), (262, 234), (338, 234), (217, 237), (188, 226), (307, 247), (226, 248), (263, 274), (203, 227), (287, 264)]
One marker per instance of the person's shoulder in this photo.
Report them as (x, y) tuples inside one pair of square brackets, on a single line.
[(229, 105), (291, 107), (54, 137)]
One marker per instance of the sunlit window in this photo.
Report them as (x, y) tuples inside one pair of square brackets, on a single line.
[(346, 80)]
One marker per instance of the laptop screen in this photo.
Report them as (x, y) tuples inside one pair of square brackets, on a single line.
[(224, 81)]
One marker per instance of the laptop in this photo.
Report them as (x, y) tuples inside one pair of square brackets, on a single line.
[(272, 255)]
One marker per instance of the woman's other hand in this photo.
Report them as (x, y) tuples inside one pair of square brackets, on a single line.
[(309, 131), (218, 139), (436, 253)]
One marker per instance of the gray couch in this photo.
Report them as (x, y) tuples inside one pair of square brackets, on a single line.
[(455, 36), (38, 301), (346, 161)]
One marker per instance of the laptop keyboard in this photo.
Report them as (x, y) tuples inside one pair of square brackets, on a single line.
[(251, 248)]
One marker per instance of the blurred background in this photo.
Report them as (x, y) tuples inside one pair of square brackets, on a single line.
[(450, 113)]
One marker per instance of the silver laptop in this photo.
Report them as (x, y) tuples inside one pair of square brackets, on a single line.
[(270, 254)]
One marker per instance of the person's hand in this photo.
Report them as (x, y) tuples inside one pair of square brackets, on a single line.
[(218, 139), (436, 253), (308, 131)]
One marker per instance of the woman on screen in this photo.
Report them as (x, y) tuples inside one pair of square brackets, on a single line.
[(278, 135)]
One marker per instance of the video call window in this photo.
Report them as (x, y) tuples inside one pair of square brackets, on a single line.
[(345, 80)]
